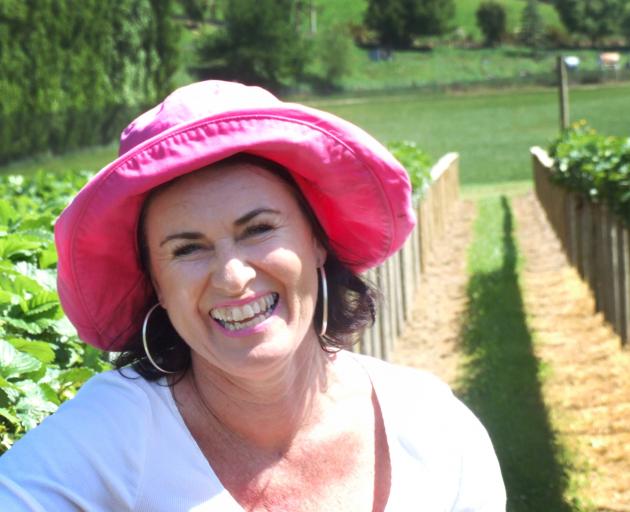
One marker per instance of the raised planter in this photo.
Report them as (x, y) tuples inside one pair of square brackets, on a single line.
[(399, 278), (596, 242)]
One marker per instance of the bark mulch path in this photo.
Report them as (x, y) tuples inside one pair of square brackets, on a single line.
[(430, 340), (587, 389)]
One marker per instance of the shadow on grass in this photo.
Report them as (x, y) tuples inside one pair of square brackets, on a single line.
[(501, 374)]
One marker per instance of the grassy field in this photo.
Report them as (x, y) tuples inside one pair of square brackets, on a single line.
[(492, 130), (501, 376), (448, 65)]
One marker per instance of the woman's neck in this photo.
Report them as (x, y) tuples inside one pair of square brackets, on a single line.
[(265, 413)]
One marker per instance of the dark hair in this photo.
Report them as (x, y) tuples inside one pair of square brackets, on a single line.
[(351, 299)]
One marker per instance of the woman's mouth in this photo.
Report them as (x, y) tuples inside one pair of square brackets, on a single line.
[(248, 315)]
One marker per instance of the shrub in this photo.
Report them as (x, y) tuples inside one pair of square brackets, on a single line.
[(491, 19), (74, 72), (334, 53), (260, 43), (532, 30), (398, 22)]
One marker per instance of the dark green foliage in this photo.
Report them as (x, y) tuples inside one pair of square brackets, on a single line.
[(532, 25), (491, 19), (625, 24), (261, 42), (398, 22), (594, 165), (592, 18), (73, 73), (334, 46), (42, 362), (199, 10)]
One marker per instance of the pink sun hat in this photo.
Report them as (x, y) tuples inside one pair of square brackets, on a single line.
[(359, 192)]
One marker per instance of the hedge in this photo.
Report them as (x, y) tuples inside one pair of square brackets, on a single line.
[(73, 73)]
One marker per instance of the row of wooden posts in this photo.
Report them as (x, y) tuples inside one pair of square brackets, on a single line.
[(399, 278), (595, 241)]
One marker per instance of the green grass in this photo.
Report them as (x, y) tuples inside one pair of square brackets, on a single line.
[(446, 65), (492, 130), (88, 159), (501, 377)]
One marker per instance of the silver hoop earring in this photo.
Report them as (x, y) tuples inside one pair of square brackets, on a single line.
[(322, 273), (144, 340)]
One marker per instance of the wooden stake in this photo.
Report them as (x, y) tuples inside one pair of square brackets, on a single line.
[(563, 90)]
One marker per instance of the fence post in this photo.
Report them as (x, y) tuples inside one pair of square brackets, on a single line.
[(563, 92), (623, 242)]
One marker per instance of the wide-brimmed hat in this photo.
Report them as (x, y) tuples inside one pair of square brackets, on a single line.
[(359, 192)]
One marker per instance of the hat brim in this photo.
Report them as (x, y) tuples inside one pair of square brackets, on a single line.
[(357, 189)]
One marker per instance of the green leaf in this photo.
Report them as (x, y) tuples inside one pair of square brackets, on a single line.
[(75, 377), (40, 350), (6, 414), (44, 301), (14, 363)]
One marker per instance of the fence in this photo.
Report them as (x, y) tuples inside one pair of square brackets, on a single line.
[(399, 277), (595, 241)]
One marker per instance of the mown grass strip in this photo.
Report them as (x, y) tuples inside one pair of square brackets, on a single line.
[(501, 377)]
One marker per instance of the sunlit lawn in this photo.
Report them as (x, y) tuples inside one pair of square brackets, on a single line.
[(492, 130)]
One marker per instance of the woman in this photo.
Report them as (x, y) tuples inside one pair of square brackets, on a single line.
[(219, 253)]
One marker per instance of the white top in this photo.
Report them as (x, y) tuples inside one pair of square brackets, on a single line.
[(121, 444)]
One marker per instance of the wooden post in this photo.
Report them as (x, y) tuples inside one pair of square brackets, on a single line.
[(563, 92), (623, 241)]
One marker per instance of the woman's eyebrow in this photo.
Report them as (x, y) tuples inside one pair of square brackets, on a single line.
[(195, 235), (185, 235), (250, 215)]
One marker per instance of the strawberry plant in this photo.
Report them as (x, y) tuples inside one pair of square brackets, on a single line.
[(594, 165), (42, 361)]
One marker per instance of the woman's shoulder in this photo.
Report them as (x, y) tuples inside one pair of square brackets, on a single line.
[(437, 433), (405, 381)]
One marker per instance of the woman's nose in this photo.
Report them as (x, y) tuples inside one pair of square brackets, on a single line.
[(232, 275)]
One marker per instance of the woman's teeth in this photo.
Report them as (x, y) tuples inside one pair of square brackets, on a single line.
[(241, 317)]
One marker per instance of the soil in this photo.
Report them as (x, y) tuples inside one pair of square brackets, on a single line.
[(430, 339), (586, 372)]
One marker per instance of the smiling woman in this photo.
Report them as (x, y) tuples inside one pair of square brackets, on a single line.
[(220, 255)]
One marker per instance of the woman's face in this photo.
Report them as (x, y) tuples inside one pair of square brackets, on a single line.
[(233, 261)]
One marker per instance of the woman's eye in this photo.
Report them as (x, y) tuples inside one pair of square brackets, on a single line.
[(257, 229), (186, 250)]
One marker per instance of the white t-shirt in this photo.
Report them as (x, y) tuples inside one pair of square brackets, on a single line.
[(121, 445)]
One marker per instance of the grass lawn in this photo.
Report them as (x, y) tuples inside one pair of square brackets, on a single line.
[(492, 130), (448, 65), (501, 376)]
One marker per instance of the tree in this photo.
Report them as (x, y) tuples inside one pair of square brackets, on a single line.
[(593, 18), (260, 42), (398, 22), (625, 25), (532, 26), (491, 19)]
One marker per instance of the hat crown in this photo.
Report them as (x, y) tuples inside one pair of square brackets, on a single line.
[(195, 101)]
